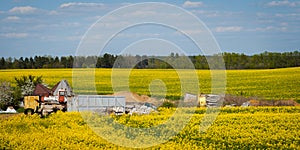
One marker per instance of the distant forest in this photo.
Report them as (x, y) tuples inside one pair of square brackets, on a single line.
[(266, 60)]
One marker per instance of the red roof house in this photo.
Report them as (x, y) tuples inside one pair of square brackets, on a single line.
[(42, 91)]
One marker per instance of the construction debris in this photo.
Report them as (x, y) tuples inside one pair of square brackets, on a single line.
[(9, 110)]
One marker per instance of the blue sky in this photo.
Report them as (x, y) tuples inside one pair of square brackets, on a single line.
[(55, 27)]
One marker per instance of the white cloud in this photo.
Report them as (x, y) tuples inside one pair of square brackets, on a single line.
[(74, 38), (190, 32), (190, 4), (229, 29), (126, 3), (62, 25), (143, 13), (23, 10), (12, 18), (282, 28), (217, 13), (283, 3), (137, 35), (287, 15), (14, 35), (206, 13), (284, 24), (53, 12), (67, 5)]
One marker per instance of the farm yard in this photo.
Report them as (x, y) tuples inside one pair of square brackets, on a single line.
[(234, 128), (270, 84)]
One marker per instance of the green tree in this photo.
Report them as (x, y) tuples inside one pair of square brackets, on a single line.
[(26, 85), (63, 62), (2, 63)]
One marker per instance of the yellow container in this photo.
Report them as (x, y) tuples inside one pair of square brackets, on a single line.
[(31, 102), (202, 100)]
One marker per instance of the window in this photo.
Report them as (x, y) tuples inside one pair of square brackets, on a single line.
[(61, 93)]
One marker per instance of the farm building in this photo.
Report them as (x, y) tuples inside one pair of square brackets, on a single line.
[(63, 84), (44, 92), (45, 101), (41, 91)]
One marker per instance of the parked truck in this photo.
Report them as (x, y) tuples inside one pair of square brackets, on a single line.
[(45, 105)]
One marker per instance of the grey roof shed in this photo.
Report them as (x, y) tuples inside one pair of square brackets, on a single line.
[(63, 84)]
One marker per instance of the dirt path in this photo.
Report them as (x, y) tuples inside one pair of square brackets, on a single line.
[(134, 97), (5, 116)]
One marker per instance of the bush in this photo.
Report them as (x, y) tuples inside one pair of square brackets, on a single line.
[(20, 110), (167, 104)]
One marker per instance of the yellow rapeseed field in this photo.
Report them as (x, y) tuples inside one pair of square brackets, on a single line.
[(268, 84), (234, 128)]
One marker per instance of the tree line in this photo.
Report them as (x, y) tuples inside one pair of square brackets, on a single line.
[(265, 60)]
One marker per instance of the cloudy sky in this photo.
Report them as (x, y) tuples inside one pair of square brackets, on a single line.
[(48, 27)]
